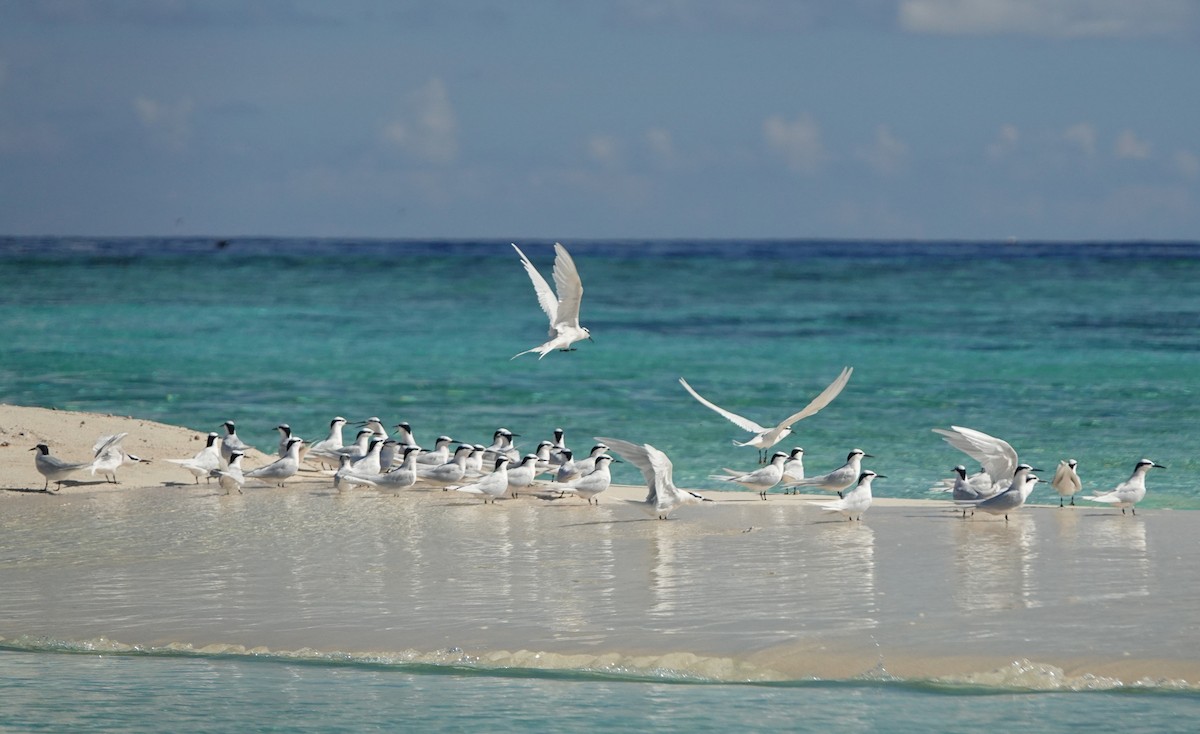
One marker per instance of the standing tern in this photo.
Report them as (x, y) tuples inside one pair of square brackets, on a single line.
[(231, 442), (440, 453), (664, 496), (285, 432), (281, 470), (765, 438), (856, 501), (53, 468), (1002, 503), (231, 477), (204, 462), (323, 450), (562, 309), (522, 475), (593, 483), (449, 473), (837, 480), (490, 487), (406, 435), (109, 456), (1129, 492), (793, 468), (1066, 481), (761, 480)]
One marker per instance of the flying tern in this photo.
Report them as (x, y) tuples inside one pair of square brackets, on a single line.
[(765, 438), (563, 308)]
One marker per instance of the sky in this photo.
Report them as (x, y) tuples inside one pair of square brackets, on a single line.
[(612, 119)]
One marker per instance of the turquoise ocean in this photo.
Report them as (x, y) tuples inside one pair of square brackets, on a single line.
[(1066, 350)]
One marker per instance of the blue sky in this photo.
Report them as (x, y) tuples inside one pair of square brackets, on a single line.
[(943, 119)]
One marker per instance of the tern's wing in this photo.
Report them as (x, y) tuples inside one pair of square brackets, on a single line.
[(639, 457), (545, 296), (825, 398), (996, 457), (569, 287), (664, 490), (743, 423), (104, 443)]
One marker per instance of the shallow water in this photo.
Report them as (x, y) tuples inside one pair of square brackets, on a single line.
[(184, 693)]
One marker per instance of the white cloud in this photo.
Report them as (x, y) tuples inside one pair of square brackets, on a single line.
[(1186, 163), (1050, 18), (1083, 136), (661, 144), (887, 154), (169, 124), (1130, 146), (1005, 142), (429, 129), (603, 149), (798, 141)]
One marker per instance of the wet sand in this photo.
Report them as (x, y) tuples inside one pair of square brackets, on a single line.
[(737, 589)]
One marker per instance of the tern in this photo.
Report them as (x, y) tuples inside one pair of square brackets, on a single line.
[(566, 470), (1066, 481), (109, 456), (585, 465), (996, 456), (231, 442), (793, 468), (492, 486), (205, 460), (856, 501), (664, 497), (760, 480), (522, 475), (765, 438), (281, 470), (562, 309), (1011, 498), (449, 473), (401, 477), (440, 453), (285, 432), (323, 450), (837, 480), (1129, 492), (593, 483), (963, 491), (53, 468), (406, 434), (231, 477), (376, 427), (557, 446), (370, 464)]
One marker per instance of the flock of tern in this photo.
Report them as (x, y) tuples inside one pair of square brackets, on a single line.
[(376, 459)]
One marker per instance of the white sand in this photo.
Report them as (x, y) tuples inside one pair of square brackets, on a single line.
[(736, 589)]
